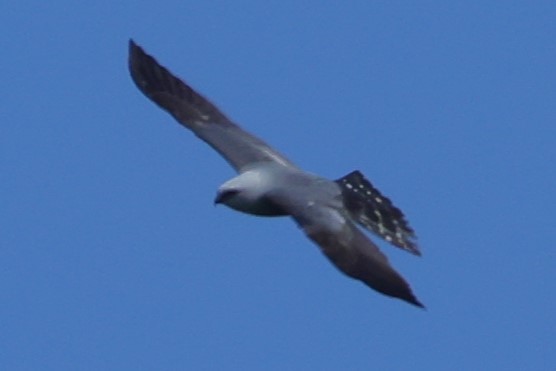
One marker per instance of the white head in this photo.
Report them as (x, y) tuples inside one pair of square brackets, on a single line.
[(245, 191)]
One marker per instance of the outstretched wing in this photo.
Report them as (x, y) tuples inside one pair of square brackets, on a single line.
[(196, 113), (376, 212), (347, 247)]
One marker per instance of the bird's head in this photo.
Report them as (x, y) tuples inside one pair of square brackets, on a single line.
[(247, 187), (246, 193)]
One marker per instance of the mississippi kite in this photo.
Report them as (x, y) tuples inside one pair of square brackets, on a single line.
[(269, 184)]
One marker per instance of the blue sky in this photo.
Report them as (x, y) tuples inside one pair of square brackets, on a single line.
[(113, 257)]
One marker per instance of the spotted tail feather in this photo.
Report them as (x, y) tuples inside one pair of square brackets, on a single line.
[(376, 212)]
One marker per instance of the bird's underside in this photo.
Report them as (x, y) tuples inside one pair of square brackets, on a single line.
[(325, 210)]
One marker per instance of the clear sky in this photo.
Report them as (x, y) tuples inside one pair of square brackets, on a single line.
[(113, 257)]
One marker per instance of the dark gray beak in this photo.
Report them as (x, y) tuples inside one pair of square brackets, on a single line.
[(219, 198), (223, 196)]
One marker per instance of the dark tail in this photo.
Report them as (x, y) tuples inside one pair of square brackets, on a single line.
[(376, 212)]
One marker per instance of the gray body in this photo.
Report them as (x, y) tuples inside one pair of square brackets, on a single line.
[(268, 184)]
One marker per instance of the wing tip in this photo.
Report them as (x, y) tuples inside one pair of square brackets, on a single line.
[(414, 301), (140, 63), (135, 51), (405, 293), (136, 55)]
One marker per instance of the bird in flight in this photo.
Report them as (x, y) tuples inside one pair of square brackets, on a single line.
[(268, 184)]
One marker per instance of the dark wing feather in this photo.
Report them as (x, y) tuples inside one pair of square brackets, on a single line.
[(347, 247), (196, 113)]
